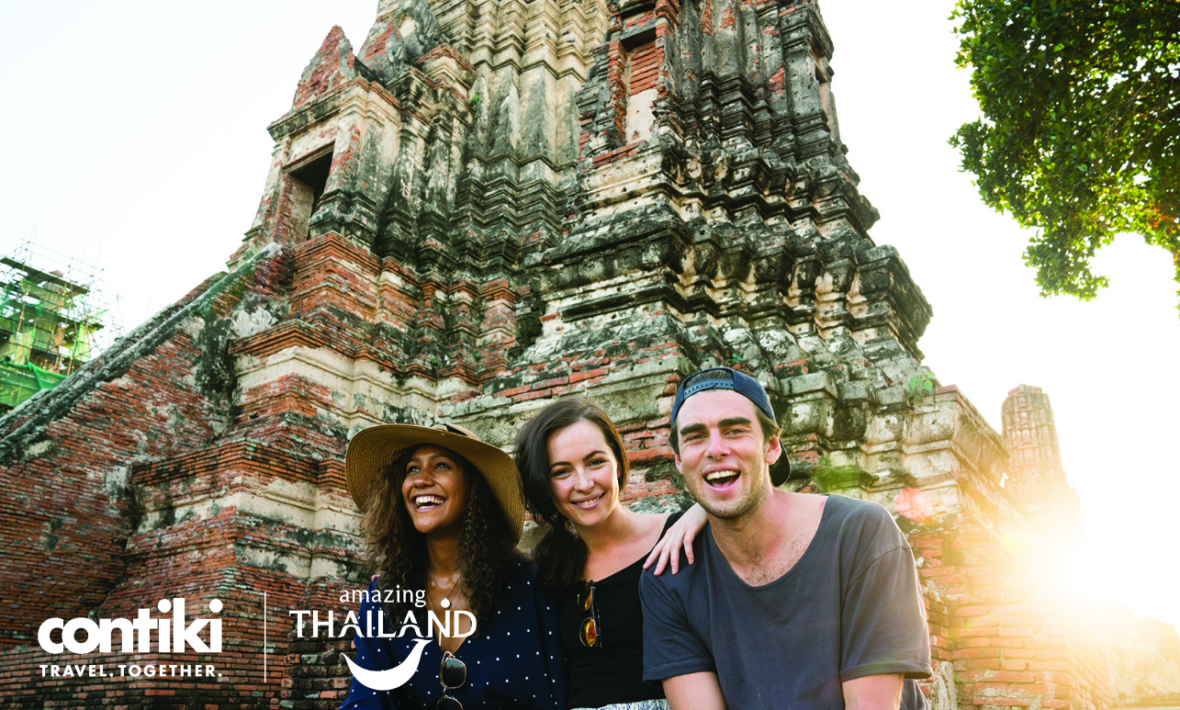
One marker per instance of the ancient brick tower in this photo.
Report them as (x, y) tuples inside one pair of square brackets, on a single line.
[(1035, 474), (487, 206)]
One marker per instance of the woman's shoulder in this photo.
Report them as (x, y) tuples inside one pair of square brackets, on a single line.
[(518, 575), (520, 564), (524, 584), (522, 599), (372, 590), (657, 522), (646, 524)]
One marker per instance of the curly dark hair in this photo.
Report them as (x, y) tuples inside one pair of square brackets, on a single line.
[(398, 551), (561, 555)]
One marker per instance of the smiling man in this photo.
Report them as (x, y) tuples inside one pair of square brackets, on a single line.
[(795, 601)]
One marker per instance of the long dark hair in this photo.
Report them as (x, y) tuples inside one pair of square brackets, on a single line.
[(398, 551), (561, 555)]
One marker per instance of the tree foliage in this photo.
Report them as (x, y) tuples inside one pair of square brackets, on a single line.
[(1081, 131)]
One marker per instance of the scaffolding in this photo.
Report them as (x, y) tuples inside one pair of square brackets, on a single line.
[(52, 320)]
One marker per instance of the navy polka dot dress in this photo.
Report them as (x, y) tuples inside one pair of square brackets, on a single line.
[(515, 661)]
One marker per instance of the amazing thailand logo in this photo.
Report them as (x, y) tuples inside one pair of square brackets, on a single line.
[(375, 619)]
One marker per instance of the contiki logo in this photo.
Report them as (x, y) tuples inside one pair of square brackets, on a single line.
[(171, 635)]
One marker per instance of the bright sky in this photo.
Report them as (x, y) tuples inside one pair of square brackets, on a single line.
[(137, 141)]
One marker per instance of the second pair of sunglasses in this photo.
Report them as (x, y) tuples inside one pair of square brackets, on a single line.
[(590, 632)]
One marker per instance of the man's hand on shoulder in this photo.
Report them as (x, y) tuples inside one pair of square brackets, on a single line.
[(694, 691), (872, 692)]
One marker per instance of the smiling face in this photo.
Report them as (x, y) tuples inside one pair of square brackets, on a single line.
[(583, 474), (723, 455), (435, 490)]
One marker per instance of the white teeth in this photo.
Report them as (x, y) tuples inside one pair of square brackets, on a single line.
[(427, 501), (715, 475), (587, 503)]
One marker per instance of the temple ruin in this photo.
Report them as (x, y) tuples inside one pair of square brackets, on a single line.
[(485, 206)]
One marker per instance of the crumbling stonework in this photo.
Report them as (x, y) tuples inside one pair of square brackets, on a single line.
[(489, 205)]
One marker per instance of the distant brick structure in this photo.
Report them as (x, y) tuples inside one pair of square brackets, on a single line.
[(486, 207), (1035, 474)]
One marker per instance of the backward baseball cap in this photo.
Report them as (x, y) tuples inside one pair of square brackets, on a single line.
[(727, 378)]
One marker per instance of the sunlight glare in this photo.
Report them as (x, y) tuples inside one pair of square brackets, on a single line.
[(1088, 580)]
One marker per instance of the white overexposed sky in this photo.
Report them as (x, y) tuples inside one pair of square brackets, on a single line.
[(137, 141)]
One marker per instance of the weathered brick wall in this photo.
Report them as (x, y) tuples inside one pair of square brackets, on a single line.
[(102, 533), (317, 677), (64, 486), (1014, 632)]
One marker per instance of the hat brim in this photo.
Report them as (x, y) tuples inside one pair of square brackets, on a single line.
[(372, 450)]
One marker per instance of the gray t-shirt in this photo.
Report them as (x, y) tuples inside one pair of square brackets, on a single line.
[(850, 607)]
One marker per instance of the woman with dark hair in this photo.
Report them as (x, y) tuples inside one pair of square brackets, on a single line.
[(574, 466), (442, 515)]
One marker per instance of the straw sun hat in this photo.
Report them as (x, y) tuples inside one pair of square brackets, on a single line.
[(372, 450)]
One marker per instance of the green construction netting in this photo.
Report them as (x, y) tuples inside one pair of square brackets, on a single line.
[(19, 382)]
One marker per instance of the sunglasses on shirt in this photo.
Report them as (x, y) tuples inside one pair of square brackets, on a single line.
[(590, 633), (452, 673)]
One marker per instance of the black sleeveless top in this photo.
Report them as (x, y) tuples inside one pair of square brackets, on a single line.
[(614, 672)]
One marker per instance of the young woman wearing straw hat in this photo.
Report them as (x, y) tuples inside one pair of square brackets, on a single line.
[(574, 466), (443, 513)]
